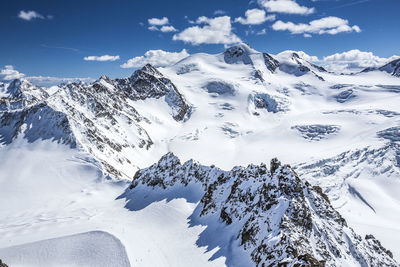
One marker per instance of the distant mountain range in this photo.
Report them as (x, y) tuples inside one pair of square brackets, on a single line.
[(340, 134)]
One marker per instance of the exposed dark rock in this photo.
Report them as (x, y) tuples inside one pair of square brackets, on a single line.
[(150, 83), (279, 219), (238, 54), (2, 264), (272, 104), (275, 164), (345, 96), (316, 132), (392, 68), (271, 63), (392, 134)]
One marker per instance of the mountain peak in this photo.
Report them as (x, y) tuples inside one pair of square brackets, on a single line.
[(274, 216), (149, 69), (104, 77), (392, 67), (25, 91), (239, 54)]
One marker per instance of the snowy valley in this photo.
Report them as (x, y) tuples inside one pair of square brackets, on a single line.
[(146, 170)]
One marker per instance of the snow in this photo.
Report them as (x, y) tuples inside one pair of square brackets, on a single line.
[(94, 249), (344, 113), (60, 192)]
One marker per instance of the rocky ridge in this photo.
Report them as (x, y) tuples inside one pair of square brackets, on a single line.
[(289, 62), (393, 68), (97, 117), (276, 218)]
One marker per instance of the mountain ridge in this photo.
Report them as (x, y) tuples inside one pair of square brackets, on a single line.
[(339, 132), (281, 219)]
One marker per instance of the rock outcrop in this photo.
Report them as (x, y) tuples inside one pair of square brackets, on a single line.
[(275, 217)]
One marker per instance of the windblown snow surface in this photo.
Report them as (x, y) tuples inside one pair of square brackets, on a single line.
[(339, 132)]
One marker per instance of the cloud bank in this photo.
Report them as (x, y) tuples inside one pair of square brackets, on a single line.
[(9, 73), (327, 25), (158, 58), (354, 60)]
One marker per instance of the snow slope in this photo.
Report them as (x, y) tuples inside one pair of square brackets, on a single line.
[(241, 106), (259, 216), (61, 192), (86, 249)]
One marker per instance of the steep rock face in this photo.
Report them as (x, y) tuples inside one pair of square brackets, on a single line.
[(273, 216), (271, 63), (21, 93), (35, 122), (392, 67), (104, 123), (238, 54), (150, 83), (20, 88), (98, 117), (293, 63)]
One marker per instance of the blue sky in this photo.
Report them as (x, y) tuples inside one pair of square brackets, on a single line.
[(52, 38)]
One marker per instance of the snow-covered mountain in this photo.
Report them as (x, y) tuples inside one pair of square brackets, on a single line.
[(20, 93), (392, 68), (340, 133), (271, 217), (98, 117)]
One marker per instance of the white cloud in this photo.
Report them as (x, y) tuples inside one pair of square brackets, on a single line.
[(216, 30), (153, 28), (262, 32), (219, 12), (255, 16), (285, 6), (30, 15), (165, 28), (155, 25), (169, 28), (101, 58), (158, 58), (327, 25), (50, 81), (354, 60), (9, 73), (158, 22)]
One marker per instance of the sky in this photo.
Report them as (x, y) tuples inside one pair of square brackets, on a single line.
[(86, 39)]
